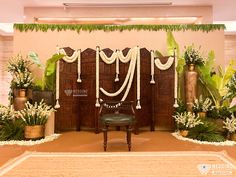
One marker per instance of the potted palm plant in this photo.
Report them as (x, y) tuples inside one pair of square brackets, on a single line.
[(35, 117), (186, 121)]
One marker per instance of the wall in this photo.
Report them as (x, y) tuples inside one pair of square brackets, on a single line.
[(6, 50), (204, 12), (230, 47)]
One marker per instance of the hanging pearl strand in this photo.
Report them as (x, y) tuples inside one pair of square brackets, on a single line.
[(97, 104), (176, 81), (152, 68)]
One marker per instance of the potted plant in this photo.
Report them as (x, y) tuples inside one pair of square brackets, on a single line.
[(186, 121), (230, 126), (18, 67), (35, 117), (201, 106), (193, 57)]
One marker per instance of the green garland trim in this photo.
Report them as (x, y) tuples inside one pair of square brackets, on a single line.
[(107, 28)]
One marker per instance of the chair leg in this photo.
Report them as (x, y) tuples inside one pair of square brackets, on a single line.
[(105, 137), (129, 129)]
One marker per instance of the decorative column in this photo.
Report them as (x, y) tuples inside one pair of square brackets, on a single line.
[(191, 77)]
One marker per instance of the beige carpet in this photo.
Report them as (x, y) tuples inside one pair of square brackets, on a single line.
[(118, 164)]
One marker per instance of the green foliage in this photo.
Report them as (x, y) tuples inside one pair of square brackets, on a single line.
[(219, 113), (231, 86), (215, 82), (206, 132), (172, 45), (182, 107), (224, 112), (11, 129), (107, 28), (213, 113), (50, 72)]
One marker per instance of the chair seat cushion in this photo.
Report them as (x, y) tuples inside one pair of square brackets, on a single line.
[(117, 119)]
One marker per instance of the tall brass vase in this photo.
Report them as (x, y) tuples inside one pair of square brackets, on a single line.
[(20, 98), (191, 77)]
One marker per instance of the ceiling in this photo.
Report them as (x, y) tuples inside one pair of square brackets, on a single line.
[(12, 11)]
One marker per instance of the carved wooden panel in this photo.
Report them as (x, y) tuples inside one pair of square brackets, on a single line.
[(66, 115), (163, 94), (87, 96)]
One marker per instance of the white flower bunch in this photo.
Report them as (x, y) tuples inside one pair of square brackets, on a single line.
[(201, 105), (36, 114), (6, 113), (18, 64), (22, 80), (193, 55), (230, 124), (187, 120)]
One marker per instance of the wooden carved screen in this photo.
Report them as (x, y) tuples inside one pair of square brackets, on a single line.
[(66, 115), (77, 100), (163, 98)]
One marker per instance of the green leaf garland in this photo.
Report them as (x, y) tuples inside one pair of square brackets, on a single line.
[(108, 28)]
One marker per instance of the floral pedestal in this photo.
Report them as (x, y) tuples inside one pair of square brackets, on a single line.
[(183, 133)]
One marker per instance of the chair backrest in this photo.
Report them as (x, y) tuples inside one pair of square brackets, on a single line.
[(117, 107)]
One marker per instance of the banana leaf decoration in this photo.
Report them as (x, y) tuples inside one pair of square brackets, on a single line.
[(50, 72), (48, 80), (216, 82)]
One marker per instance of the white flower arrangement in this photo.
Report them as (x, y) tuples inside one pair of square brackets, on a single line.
[(187, 120), (201, 105), (230, 124), (18, 64), (36, 114), (6, 113), (193, 55), (22, 79)]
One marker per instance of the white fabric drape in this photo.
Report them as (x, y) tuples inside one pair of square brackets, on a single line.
[(133, 56)]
